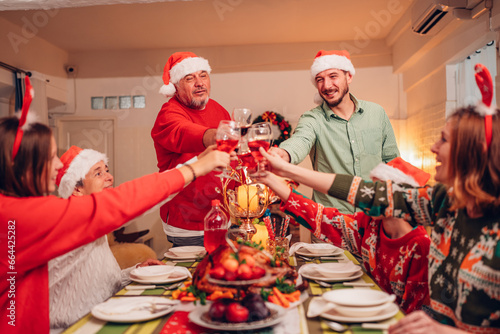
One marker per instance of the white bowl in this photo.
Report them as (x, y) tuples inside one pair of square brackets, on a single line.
[(187, 250), (334, 270), (361, 311), (320, 249), (157, 272), (358, 297)]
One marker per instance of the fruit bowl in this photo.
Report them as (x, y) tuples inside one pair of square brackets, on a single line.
[(237, 283), (200, 317)]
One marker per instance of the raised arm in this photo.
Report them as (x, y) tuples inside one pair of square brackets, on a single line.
[(316, 180)]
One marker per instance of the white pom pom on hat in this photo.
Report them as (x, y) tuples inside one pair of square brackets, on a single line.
[(400, 171), (177, 67), (77, 163)]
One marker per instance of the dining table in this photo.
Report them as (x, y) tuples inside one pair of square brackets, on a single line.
[(295, 320)]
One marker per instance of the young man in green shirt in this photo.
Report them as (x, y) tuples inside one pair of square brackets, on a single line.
[(342, 134)]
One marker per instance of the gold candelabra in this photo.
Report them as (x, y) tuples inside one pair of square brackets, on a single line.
[(244, 199)]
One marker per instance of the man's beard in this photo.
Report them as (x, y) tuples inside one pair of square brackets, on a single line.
[(198, 104), (335, 103)]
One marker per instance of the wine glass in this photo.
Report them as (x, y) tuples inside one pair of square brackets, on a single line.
[(228, 136), (259, 135), (243, 117)]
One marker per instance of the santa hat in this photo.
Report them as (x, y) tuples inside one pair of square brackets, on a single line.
[(76, 164), (325, 60), (178, 66), (400, 171)]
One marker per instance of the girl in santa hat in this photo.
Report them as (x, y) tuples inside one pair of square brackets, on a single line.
[(37, 227), (464, 209)]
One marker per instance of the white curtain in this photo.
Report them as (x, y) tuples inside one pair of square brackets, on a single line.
[(39, 104), (467, 91)]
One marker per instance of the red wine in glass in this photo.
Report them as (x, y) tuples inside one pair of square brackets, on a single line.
[(227, 145), (247, 160), (254, 148), (244, 129)]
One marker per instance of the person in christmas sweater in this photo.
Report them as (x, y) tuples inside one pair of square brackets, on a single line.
[(391, 250), (37, 227), (184, 127), (464, 209), (90, 274)]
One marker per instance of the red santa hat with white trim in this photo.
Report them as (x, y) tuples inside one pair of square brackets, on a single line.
[(325, 60), (77, 163), (178, 66), (400, 171)]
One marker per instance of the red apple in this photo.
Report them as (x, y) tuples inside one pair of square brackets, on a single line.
[(230, 276), (245, 272), (217, 310), (217, 272), (258, 272), (236, 313)]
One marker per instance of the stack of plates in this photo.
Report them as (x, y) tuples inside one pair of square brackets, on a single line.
[(331, 272), (159, 274), (185, 252), (136, 309), (320, 249), (359, 305)]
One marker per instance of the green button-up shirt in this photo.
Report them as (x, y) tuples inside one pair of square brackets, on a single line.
[(336, 145)]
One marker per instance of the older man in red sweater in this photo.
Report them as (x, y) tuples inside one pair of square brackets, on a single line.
[(184, 127)]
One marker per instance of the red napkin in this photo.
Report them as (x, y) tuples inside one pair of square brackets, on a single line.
[(179, 323)]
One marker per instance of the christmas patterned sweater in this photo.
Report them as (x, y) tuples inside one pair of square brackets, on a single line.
[(399, 266), (464, 257)]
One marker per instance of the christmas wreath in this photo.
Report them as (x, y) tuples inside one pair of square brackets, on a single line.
[(278, 120)]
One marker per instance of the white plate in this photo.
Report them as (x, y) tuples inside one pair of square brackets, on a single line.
[(196, 316), (365, 311), (334, 270), (358, 297), (105, 310), (172, 256), (187, 251), (305, 252), (387, 313), (313, 275), (157, 272), (175, 277)]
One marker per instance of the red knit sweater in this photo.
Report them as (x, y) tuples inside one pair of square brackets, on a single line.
[(399, 266), (35, 230), (178, 136)]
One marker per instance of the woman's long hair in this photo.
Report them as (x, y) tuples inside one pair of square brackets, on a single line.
[(28, 174), (474, 169)]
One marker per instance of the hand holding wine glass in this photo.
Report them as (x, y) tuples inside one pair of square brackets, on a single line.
[(228, 136)]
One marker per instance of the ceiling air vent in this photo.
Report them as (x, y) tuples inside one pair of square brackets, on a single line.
[(425, 14)]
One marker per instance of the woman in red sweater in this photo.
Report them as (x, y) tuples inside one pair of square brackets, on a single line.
[(37, 227)]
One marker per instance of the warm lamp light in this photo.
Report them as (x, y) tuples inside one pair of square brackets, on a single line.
[(248, 194)]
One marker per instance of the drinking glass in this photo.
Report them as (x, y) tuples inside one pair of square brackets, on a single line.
[(228, 136), (243, 117), (259, 135)]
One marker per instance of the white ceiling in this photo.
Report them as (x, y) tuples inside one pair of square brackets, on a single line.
[(126, 25)]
